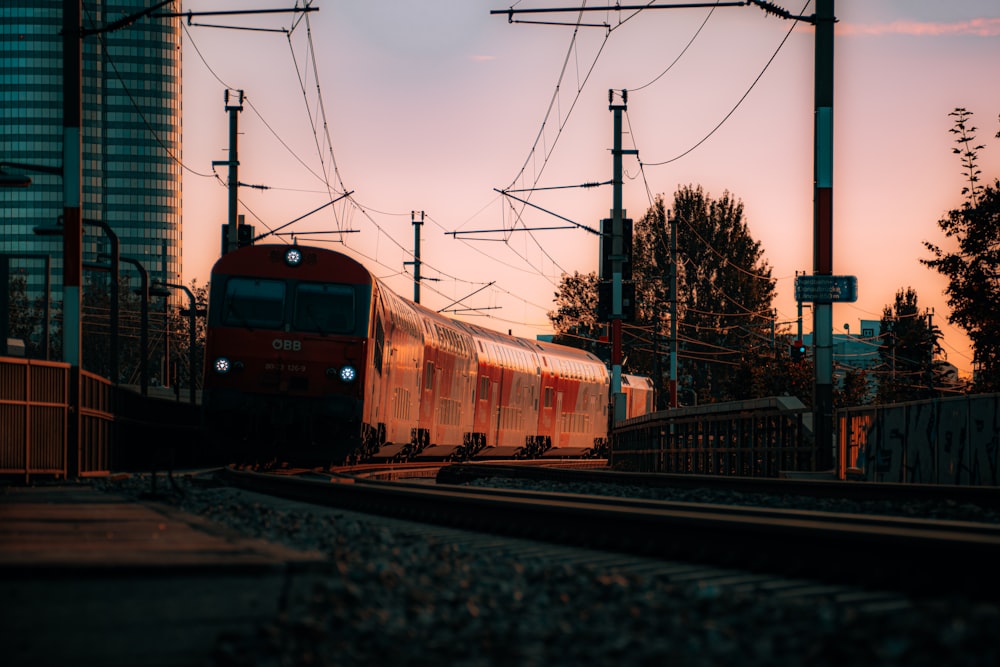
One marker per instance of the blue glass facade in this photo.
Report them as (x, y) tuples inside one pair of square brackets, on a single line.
[(131, 137)]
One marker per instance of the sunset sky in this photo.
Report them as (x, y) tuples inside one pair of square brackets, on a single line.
[(431, 106)]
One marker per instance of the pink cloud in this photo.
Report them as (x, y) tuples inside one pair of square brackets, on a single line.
[(975, 27)]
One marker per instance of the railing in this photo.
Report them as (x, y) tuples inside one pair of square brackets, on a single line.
[(756, 438), (34, 398), (34, 414), (97, 425)]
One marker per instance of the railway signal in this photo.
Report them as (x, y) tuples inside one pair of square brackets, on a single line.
[(244, 235)]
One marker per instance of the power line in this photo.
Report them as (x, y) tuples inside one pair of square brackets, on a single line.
[(679, 55), (736, 106), (135, 104)]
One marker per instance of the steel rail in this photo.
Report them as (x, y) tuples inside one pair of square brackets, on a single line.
[(984, 496), (916, 557)]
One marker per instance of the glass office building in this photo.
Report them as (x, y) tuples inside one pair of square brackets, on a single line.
[(130, 133)]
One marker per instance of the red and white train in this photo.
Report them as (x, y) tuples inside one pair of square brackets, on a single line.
[(310, 355)]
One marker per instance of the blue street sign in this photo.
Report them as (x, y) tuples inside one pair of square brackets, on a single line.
[(826, 289)]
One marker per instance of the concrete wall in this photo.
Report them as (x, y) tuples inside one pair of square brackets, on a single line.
[(941, 441)]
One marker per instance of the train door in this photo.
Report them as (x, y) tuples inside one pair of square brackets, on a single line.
[(496, 404), (429, 385), (377, 376), (484, 419), (546, 432), (452, 417), (483, 413), (561, 439), (522, 415), (402, 364)]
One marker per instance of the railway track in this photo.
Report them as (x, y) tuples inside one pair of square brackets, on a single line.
[(913, 557), (982, 496), (434, 470)]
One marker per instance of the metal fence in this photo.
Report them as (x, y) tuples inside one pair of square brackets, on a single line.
[(97, 426), (940, 441), (34, 414), (757, 438)]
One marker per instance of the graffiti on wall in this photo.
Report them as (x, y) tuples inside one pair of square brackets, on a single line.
[(941, 441)]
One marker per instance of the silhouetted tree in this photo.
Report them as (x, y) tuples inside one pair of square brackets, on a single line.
[(907, 351), (855, 389), (724, 296), (26, 318), (575, 316), (972, 269)]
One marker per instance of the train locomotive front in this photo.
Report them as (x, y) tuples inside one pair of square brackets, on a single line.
[(287, 353)]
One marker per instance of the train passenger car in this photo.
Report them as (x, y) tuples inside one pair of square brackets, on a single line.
[(311, 356), (574, 398), (506, 393), (639, 395)]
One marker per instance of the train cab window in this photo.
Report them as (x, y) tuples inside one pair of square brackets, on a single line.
[(254, 303), (548, 397), (324, 308), (484, 388)]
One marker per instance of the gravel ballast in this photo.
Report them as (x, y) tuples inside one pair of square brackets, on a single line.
[(400, 596)]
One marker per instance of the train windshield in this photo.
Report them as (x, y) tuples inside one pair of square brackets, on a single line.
[(324, 308), (254, 303)]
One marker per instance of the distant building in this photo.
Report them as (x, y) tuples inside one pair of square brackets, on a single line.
[(131, 138), (861, 352), (854, 351)]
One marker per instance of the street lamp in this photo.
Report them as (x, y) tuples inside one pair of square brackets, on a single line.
[(192, 314), (144, 293), (113, 238), (59, 230), (20, 180)]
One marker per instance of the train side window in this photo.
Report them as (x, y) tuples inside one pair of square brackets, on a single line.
[(429, 376), (548, 397), (484, 388), (324, 308), (251, 302)]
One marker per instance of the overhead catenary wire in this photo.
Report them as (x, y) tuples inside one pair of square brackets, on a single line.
[(535, 267), (317, 117), (680, 55), (540, 137), (735, 107), (649, 193), (135, 104)]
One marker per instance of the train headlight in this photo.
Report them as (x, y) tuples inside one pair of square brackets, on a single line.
[(222, 365), (293, 256), (348, 373)]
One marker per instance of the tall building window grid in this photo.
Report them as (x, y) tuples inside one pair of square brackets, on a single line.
[(131, 90)]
